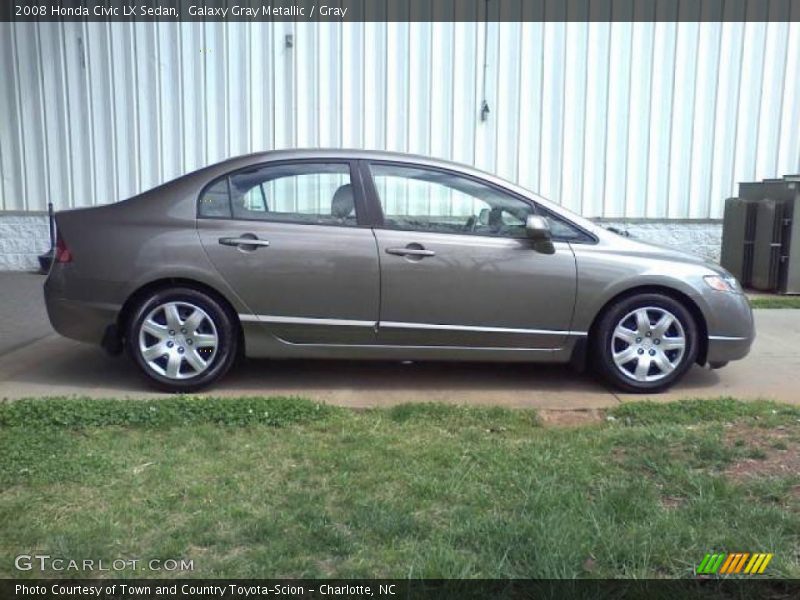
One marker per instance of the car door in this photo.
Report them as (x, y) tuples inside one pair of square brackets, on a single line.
[(287, 238), (457, 268)]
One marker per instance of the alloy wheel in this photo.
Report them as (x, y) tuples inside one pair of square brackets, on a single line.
[(648, 344), (178, 340)]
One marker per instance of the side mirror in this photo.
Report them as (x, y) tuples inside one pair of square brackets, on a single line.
[(538, 231), (537, 228)]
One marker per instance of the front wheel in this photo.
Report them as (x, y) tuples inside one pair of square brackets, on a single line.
[(181, 339), (646, 342)]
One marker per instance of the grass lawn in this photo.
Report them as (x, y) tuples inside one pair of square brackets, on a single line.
[(281, 487), (775, 302)]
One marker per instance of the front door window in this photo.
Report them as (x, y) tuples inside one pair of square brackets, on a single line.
[(416, 199)]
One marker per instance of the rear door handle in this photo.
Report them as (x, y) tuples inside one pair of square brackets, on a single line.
[(242, 241), (421, 252)]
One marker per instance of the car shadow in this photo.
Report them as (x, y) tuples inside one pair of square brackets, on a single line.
[(63, 367), (411, 376)]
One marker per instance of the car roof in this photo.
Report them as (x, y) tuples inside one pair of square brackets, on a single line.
[(351, 154)]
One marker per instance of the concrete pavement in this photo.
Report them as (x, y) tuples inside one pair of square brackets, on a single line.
[(22, 313), (32, 365)]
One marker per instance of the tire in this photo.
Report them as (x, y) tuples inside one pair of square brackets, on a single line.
[(182, 339), (638, 356)]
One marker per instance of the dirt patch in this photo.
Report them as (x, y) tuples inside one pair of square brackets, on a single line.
[(775, 452), (570, 418), (672, 502)]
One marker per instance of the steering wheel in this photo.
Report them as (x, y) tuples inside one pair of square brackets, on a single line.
[(471, 223)]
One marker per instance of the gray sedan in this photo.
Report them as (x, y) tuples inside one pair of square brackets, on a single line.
[(373, 255)]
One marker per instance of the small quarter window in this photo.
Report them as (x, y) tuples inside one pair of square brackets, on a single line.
[(215, 203), (563, 230)]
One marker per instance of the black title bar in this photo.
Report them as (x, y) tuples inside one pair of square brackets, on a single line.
[(400, 589), (400, 10)]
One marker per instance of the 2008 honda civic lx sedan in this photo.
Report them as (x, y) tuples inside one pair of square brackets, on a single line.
[(374, 255)]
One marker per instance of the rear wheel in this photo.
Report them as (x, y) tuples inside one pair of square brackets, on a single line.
[(646, 342), (182, 339)]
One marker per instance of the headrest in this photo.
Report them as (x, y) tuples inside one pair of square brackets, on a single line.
[(496, 218), (343, 203)]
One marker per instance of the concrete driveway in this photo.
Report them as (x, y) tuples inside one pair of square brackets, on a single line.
[(34, 361)]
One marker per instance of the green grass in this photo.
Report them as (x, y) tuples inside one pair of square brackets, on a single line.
[(775, 302), (688, 412), (85, 412), (281, 487)]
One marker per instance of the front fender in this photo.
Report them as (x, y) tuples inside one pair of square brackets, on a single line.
[(603, 275)]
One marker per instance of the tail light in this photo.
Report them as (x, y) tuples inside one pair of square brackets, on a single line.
[(63, 255)]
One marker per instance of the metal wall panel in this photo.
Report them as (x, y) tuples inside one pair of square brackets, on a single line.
[(612, 119)]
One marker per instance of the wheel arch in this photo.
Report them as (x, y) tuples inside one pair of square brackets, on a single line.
[(677, 295), (123, 317)]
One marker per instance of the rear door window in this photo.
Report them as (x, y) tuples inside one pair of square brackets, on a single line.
[(311, 193)]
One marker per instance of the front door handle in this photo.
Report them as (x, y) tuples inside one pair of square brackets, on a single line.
[(421, 252), (243, 241)]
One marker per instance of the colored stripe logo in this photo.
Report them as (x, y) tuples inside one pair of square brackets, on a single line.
[(733, 563)]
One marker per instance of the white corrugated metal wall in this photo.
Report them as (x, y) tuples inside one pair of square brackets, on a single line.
[(642, 119)]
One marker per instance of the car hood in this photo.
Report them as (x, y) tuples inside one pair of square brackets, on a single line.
[(639, 248)]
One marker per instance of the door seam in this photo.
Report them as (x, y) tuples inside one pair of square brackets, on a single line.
[(377, 325)]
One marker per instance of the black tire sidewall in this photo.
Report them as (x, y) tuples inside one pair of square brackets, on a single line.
[(609, 321), (223, 321)]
